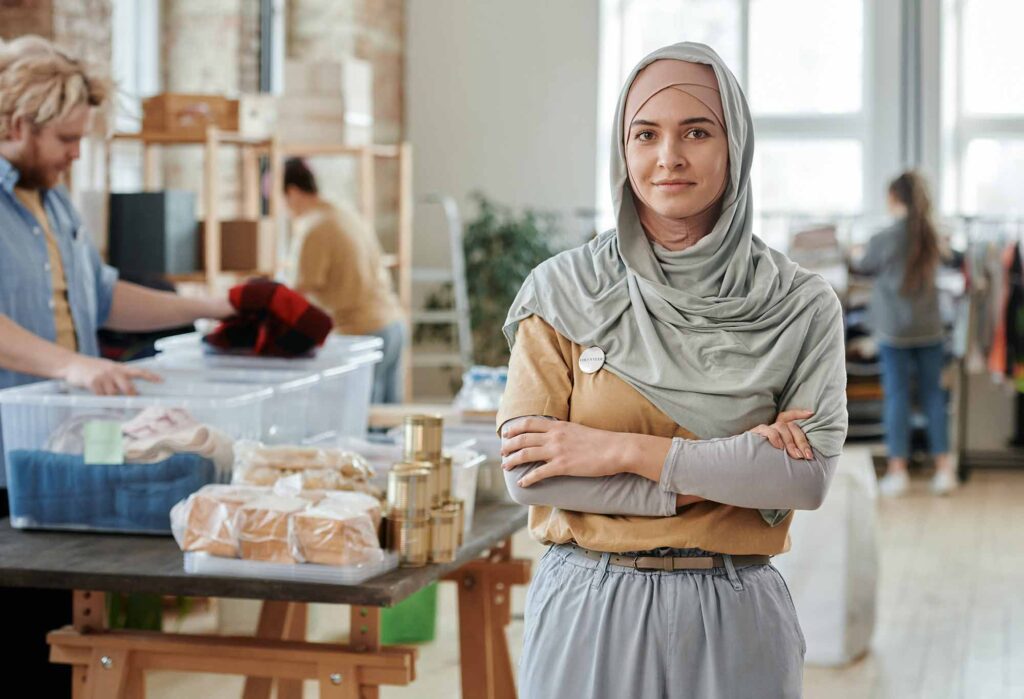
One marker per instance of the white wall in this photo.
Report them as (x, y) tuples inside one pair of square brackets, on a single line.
[(501, 97)]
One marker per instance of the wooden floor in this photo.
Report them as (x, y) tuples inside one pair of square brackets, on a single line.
[(950, 615)]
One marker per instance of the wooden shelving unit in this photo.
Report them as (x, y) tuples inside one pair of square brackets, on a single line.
[(251, 151)]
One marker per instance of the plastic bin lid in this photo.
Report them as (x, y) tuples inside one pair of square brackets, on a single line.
[(333, 343), (338, 350), (184, 394), (185, 367)]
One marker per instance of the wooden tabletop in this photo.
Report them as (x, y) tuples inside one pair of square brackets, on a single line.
[(123, 563)]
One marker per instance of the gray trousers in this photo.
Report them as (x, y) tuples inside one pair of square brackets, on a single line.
[(600, 631)]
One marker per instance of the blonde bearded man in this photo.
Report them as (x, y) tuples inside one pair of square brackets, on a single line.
[(55, 292)]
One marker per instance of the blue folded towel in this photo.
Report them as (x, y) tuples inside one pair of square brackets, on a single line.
[(51, 490)]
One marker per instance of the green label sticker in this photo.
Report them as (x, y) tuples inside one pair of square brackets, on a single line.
[(103, 444)]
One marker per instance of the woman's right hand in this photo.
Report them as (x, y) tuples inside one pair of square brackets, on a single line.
[(784, 433), (104, 377)]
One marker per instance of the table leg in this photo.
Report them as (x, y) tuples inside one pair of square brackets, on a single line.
[(272, 624), (89, 613), (484, 612), (364, 636), (108, 674), (295, 630)]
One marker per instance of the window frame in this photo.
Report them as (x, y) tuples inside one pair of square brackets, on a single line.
[(875, 127)]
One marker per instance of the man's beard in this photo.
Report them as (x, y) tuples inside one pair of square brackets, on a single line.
[(30, 177)]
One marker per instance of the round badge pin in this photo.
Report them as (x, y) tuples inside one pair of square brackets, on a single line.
[(591, 360)]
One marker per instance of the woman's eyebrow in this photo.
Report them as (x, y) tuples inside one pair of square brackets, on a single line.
[(684, 122)]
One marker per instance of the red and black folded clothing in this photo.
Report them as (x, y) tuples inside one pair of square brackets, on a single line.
[(272, 321)]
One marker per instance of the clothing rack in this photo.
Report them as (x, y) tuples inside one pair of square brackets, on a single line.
[(1001, 232)]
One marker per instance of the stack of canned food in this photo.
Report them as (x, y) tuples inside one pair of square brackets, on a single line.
[(424, 521)]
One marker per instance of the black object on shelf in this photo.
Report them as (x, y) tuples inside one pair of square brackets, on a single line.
[(153, 232)]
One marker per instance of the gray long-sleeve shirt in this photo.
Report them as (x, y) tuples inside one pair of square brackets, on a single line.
[(745, 471), (899, 320)]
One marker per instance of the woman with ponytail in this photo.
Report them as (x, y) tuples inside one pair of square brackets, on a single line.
[(905, 319)]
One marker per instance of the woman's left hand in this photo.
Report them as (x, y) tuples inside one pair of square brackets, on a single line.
[(564, 448)]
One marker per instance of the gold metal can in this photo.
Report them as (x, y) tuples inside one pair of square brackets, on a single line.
[(444, 480), (459, 507), (422, 436), (410, 538), (409, 490), (444, 539)]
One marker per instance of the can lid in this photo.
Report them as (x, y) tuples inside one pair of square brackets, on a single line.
[(424, 420), (407, 466), (410, 474)]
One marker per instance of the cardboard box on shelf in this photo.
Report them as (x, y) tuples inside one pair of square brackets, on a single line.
[(357, 88), (311, 119), (187, 115), (312, 77), (245, 245), (257, 115), (327, 102)]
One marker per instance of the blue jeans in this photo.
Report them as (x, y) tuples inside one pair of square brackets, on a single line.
[(899, 364), (388, 379)]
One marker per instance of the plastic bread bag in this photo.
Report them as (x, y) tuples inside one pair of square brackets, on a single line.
[(263, 524), (204, 521), (341, 500), (260, 464), (335, 534)]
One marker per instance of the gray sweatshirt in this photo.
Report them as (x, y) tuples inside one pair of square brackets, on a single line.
[(745, 470), (898, 320)]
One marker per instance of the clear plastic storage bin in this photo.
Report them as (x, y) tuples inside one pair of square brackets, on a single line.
[(119, 463), (339, 406), (289, 417)]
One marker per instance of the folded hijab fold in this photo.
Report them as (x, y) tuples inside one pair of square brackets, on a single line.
[(719, 336)]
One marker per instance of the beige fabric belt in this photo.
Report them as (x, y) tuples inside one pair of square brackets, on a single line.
[(670, 563)]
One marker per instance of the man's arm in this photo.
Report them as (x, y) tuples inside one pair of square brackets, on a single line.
[(138, 309), (26, 353)]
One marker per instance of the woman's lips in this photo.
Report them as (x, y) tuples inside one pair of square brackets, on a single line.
[(674, 186)]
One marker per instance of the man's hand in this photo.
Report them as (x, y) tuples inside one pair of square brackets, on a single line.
[(784, 433), (104, 377)]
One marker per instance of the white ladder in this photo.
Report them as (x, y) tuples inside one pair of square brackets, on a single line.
[(459, 314)]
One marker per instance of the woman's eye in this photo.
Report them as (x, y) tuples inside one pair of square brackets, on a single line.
[(697, 133), (644, 135)]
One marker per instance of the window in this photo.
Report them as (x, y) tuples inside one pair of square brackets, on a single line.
[(986, 167), (806, 56), (802, 64)]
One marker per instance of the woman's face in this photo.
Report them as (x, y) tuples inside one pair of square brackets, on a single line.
[(677, 155)]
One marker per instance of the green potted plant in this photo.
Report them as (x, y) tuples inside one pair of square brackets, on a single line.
[(501, 247)]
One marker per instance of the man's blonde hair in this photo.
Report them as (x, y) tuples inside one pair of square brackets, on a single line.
[(40, 83)]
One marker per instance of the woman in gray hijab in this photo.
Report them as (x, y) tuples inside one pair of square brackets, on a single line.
[(676, 389)]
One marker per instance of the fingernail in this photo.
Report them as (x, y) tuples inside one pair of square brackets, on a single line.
[(504, 432), (809, 454), (519, 483)]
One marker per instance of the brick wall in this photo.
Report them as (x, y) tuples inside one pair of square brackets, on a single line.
[(82, 27), (372, 30), (19, 17)]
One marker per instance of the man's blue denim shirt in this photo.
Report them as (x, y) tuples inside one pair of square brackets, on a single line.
[(26, 290)]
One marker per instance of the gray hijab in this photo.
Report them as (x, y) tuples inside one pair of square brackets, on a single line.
[(720, 336)]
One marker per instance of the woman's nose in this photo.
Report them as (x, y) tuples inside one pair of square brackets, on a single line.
[(671, 155)]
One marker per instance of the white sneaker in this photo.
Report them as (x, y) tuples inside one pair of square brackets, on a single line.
[(944, 483), (892, 485)]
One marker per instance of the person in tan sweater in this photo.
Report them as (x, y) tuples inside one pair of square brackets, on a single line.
[(336, 261)]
